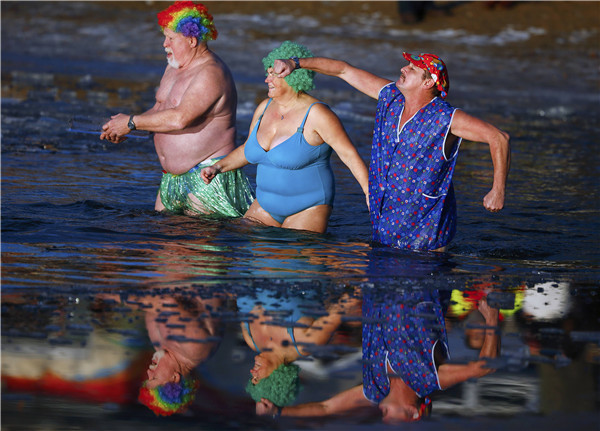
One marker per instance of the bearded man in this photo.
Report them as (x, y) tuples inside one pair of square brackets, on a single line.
[(193, 119)]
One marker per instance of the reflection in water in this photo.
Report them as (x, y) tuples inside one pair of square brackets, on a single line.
[(421, 348), (76, 224), (63, 345), (185, 333), (405, 358), (282, 326)]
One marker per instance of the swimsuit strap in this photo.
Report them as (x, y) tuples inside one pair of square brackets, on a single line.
[(291, 332), (301, 128), (265, 110), (250, 334)]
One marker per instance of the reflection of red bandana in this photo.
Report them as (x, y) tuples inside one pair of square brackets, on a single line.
[(435, 66)]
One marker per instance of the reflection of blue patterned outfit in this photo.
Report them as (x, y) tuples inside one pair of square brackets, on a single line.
[(293, 176), (403, 333), (411, 195)]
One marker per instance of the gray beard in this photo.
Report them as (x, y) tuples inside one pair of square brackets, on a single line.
[(173, 63)]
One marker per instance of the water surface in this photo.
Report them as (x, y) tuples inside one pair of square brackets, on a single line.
[(78, 223)]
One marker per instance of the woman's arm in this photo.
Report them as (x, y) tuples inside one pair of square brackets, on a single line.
[(236, 159), (329, 127), (320, 331)]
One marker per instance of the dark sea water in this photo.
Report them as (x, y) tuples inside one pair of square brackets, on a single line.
[(78, 225)]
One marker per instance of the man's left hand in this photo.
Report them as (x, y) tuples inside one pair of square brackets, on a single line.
[(493, 201)]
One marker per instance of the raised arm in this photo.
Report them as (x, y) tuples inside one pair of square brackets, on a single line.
[(363, 81), (473, 129), (451, 374)]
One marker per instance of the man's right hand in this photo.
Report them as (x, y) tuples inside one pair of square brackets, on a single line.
[(283, 68)]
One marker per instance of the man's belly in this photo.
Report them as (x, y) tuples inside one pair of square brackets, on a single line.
[(178, 156)]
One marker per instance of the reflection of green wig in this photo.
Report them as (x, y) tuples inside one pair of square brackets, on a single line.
[(299, 79), (281, 387)]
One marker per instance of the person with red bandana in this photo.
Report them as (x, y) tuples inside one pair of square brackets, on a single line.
[(193, 119), (416, 138)]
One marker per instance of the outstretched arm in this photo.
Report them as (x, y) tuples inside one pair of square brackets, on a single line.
[(473, 129), (341, 403), (451, 374), (363, 81)]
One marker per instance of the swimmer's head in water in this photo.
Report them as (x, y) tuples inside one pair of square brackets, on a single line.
[(190, 19), (171, 397), (299, 79)]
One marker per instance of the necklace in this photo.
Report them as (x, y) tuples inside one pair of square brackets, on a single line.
[(289, 110)]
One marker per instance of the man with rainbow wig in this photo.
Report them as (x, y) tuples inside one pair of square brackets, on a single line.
[(193, 119), (416, 137)]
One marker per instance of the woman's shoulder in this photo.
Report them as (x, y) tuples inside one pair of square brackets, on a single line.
[(262, 105), (317, 106)]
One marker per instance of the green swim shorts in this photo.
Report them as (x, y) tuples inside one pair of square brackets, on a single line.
[(229, 194)]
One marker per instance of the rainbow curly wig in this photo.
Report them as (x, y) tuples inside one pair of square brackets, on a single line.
[(190, 19), (169, 398), (281, 387), (299, 79)]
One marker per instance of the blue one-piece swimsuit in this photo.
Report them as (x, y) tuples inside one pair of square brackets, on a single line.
[(293, 176)]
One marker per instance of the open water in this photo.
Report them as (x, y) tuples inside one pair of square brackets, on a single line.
[(78, 224)]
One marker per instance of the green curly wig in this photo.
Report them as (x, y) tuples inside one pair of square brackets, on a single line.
[(281, 387), (299, 79)]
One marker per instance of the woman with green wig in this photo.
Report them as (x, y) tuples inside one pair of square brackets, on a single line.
[(291, 138)]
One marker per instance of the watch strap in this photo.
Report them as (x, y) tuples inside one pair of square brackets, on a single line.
[(296, 62), (130, 123)]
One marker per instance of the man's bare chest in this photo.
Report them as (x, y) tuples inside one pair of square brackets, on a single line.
[(172, 89)]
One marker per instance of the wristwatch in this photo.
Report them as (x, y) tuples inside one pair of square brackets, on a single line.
[(297, 62), (131, 124)]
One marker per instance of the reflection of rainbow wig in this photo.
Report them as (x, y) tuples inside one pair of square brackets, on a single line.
[(299, 79), (164, 400), (281, 387), (190, 19)]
